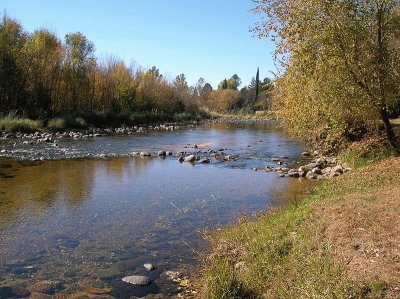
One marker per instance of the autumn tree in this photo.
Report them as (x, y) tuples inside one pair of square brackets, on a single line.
[(41, 57), (12, 40), (340, 70)]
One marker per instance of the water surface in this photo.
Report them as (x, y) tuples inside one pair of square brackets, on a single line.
[(94, 221)]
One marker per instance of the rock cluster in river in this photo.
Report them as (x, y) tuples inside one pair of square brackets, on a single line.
[(94, 132), (319, 168)]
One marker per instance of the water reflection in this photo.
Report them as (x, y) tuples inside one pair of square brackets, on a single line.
[(99, 220)]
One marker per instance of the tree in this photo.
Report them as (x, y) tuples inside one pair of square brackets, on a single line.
[(257, 84), (79, 65), (338, 58), (42, 55), (223, 84), (12, 40)]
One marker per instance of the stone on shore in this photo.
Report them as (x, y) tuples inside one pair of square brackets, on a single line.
[(190, 158)]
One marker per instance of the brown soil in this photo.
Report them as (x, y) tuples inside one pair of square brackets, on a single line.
[(363, 227)]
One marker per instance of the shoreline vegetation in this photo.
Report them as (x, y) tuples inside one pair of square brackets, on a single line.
[(340, 241), (15, 124)]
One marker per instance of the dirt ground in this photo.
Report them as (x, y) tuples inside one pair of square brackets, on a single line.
[(363, 226)]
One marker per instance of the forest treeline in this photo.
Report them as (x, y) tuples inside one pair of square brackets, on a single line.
[(339, 67), (42, 76)]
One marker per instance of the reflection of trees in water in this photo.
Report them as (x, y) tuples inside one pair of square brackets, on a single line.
[(39, 187), (289, 190), (118, 167)]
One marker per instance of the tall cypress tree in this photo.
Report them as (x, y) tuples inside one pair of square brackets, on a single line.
[(257, 84)]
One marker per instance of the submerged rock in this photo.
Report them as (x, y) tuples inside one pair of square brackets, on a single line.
[(148, 266), (173, 274), (45, 287), (137, 280)]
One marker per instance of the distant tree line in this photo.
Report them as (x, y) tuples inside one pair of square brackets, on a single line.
[(43, 76)]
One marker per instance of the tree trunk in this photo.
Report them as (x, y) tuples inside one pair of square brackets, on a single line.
[(389, 130)]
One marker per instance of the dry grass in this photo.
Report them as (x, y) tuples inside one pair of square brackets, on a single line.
[(340, 242)]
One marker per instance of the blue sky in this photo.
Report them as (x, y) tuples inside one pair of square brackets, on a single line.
[(208, 38)]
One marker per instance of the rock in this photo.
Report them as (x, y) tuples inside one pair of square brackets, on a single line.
[(311, 166), (326, 170), (316, 170), (311, 175), (137, 280), (6, 292), (145, 154), (161, 153), (190, 158), (338, 168), (321, 161), (293, 174), (40, 296), (173, 274), (181, 159), (148, 266), (20, 292), (135, 154), (204, 161), (306, 154), (45, 287), (168, 153), (96, 291)]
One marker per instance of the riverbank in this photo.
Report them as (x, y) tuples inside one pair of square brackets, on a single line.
[(341, 241), (13, 124), (101, 120)]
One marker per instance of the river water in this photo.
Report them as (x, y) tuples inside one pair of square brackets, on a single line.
[(90, 222)]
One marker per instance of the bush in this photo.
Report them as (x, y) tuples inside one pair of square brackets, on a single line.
[(16, 124), (66, 122)]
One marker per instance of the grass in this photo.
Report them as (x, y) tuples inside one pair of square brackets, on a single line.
[(240, 114), (66, 122), (16, 124), (306, 250)]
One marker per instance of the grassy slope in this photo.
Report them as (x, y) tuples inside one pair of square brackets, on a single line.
[(343, 241)]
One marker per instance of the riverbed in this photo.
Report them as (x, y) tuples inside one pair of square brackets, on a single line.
[(88, 222)]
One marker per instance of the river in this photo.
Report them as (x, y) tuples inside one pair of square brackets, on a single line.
[(90, 222)]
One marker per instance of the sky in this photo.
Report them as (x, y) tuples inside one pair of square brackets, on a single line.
[(207, 38)]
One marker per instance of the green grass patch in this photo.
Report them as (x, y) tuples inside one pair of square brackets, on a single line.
[(16, 124), (66, 122)]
